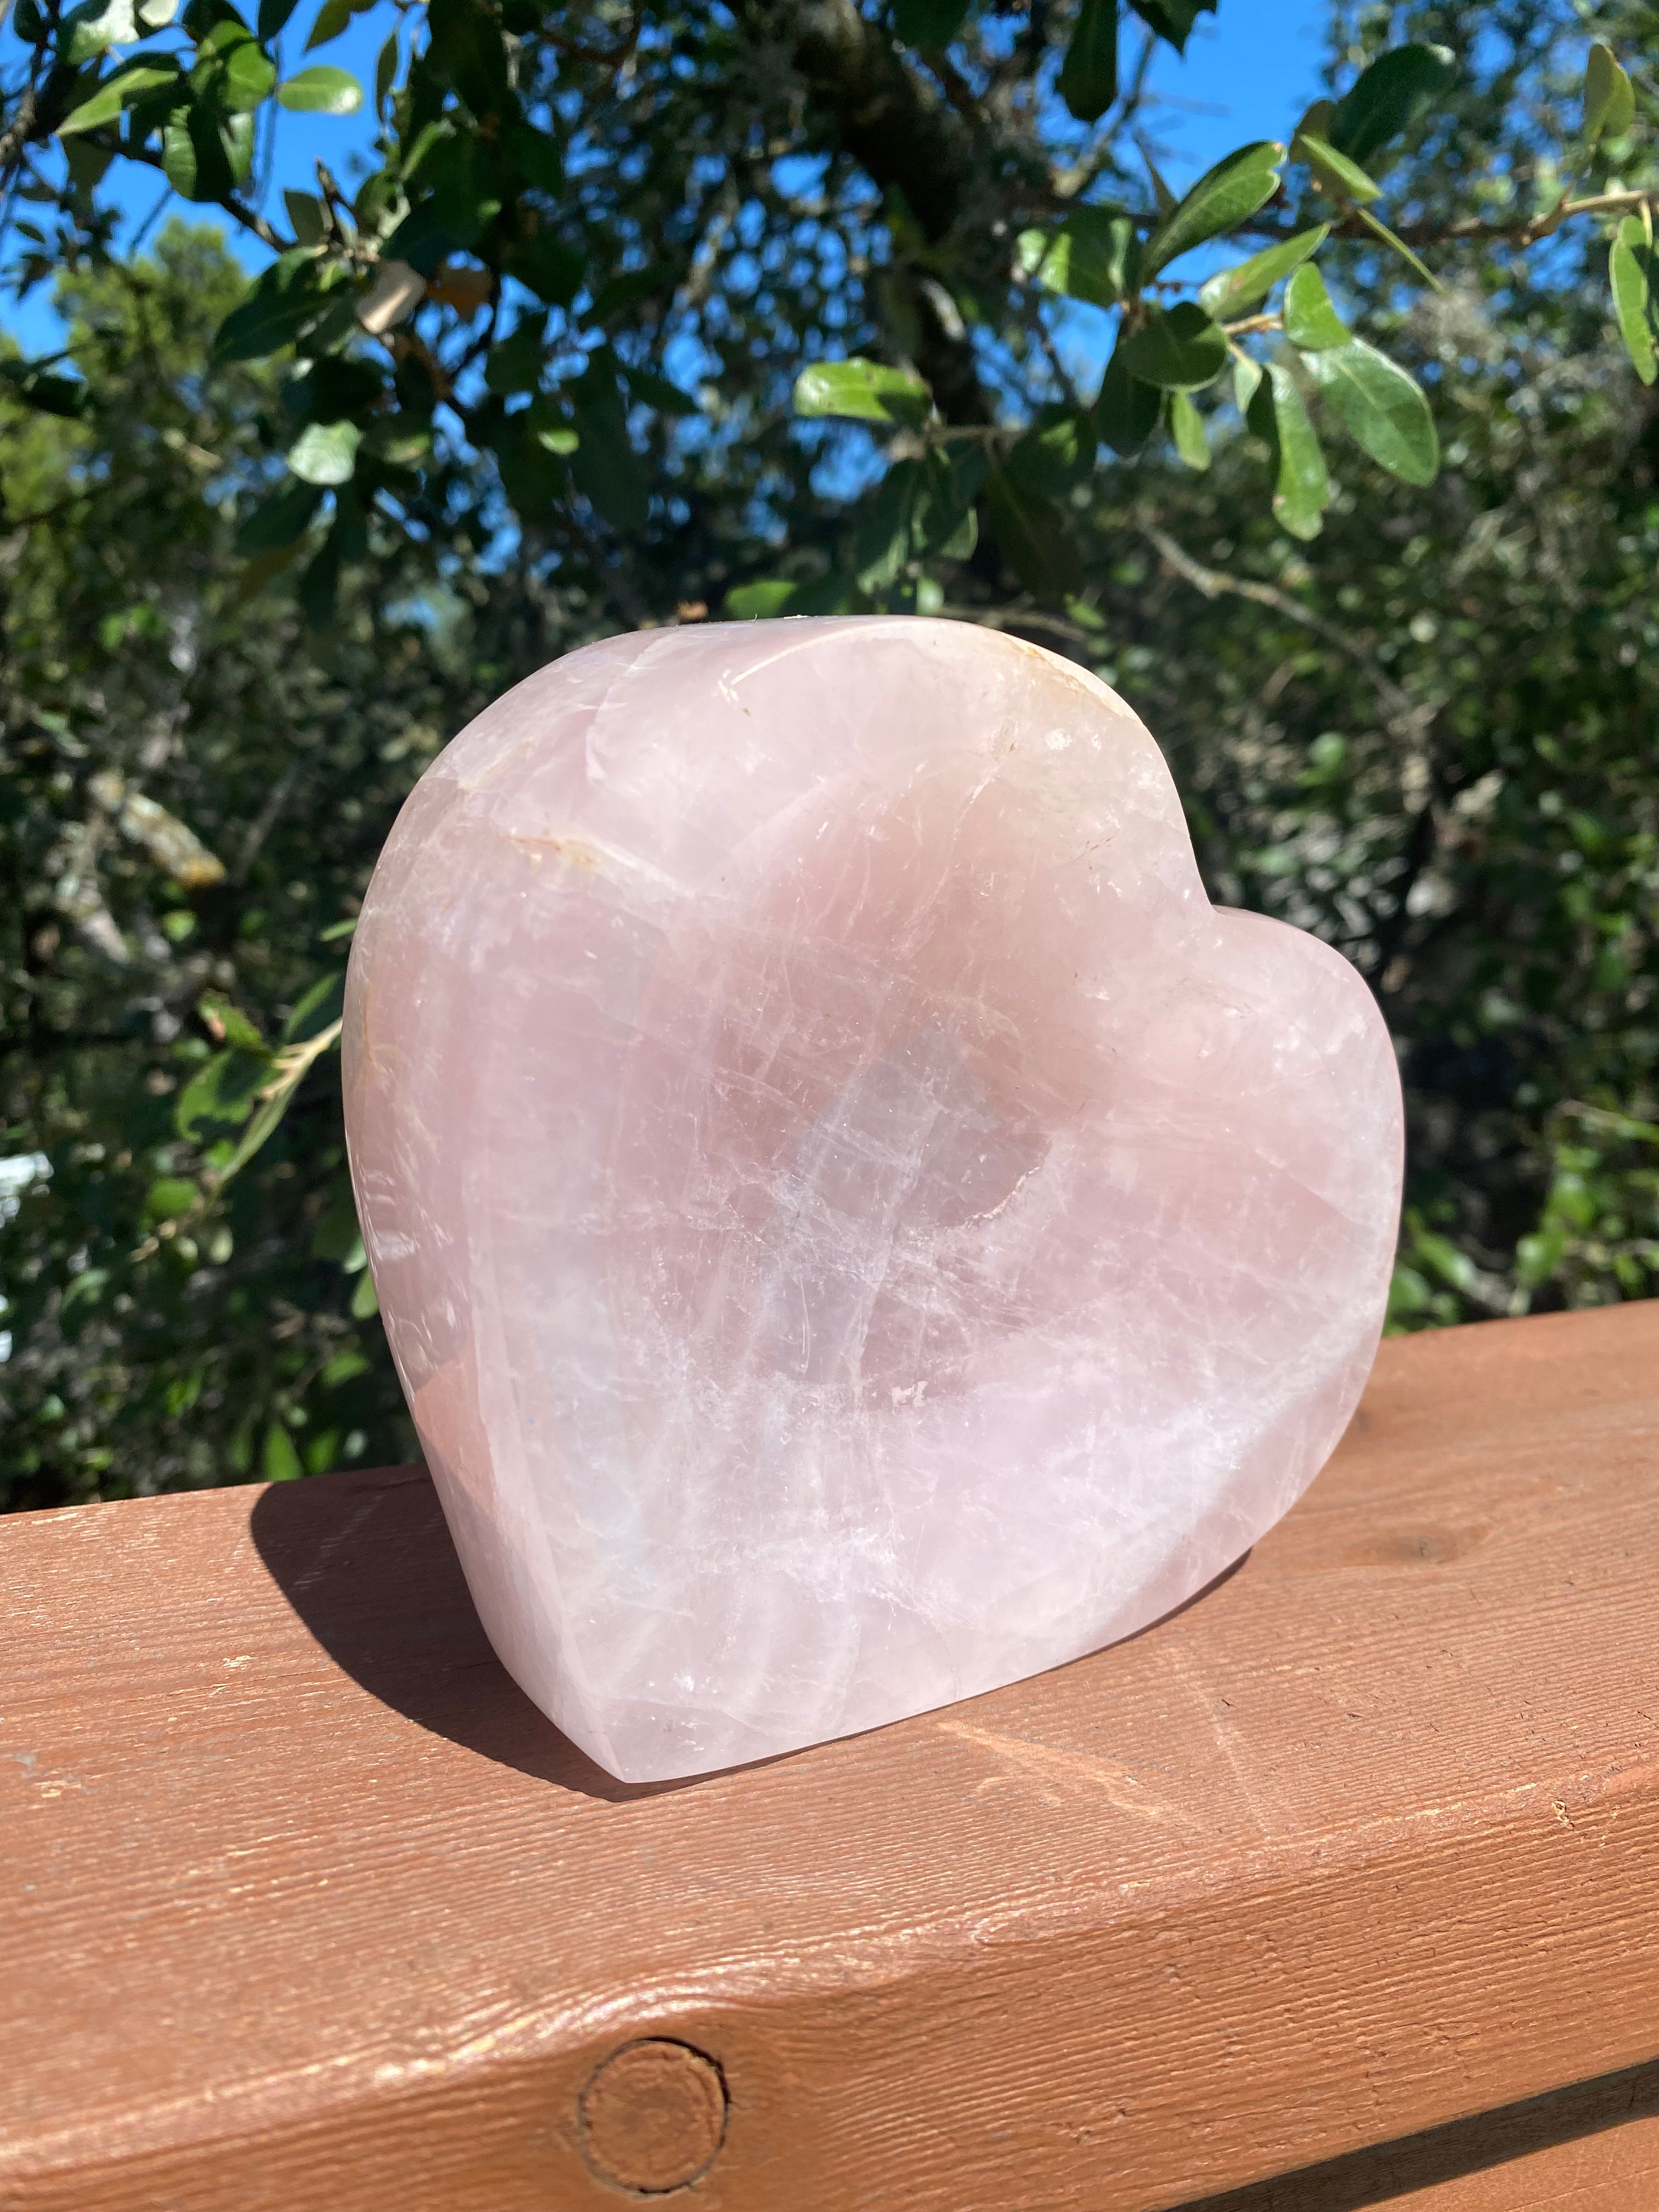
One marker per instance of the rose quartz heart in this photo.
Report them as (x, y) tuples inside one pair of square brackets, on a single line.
[(855, 1225)]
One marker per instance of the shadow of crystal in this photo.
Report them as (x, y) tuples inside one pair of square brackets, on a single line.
[(367, 1562)]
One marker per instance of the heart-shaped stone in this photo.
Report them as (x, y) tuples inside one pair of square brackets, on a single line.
[(855, 1225)]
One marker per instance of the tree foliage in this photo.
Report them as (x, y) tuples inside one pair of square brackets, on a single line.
[(1340, 463)]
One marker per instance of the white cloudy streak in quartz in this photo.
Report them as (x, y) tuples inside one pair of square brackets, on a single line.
[(855, 1225)]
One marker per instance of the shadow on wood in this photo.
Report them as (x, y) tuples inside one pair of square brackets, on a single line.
[(367, 1562), (1491, 2155)]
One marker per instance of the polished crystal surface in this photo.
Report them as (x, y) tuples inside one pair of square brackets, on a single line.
[(855, 1225)]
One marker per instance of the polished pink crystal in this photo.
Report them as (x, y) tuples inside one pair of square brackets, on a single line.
[(855, 1225)]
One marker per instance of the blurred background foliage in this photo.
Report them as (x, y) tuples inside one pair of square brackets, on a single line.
[(1423, 727)]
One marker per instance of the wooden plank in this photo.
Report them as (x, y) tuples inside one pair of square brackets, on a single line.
[(1593, 2147), (305, 1907)]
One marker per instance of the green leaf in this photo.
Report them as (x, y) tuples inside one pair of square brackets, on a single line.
[(320, 1008), (220, 1095), (943, 524), (226, 1021), (862, 391), (280, 519), (333, 18), (34, 385), (881, 545), (333, 387), (1609, 97), (464, 48), (1187, 428), (929, 24), (1223, 197), (1387, 99), (1088, 75), (1033, 536), (1126, 411), (325, 453), (198, 153), (279, 1462), (322, 90), (1302, 489), (1231, 291), (1093, 256), (1312, 322), (386, 72), (286, 299), (307, 216), (1173, 20), (93, 28), (535, 155), (168, 1197), (459, 197), (248, 76), (653, 391), (364, 1303), (118, 92), (1381, 408), (1397, 244), (1633, 272), (516, 362), (1057, 453), (605, 467), (1178, 349), (272, 18), (1334, 171), (760, 601)]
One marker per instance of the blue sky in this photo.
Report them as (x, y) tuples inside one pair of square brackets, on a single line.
[(1248, 72)]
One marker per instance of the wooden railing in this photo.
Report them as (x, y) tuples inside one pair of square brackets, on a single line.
[(1339, 1887)]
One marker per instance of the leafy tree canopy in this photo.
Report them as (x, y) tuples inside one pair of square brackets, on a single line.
[(774, 307)]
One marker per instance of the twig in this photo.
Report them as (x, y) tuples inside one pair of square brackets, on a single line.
[(1404, 711)]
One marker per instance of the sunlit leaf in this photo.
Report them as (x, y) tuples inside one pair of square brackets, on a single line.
[(1178, 349), (1609, 96), (1231, 291), (279, 1462), (1223, 197), (325, 453), (1187, 429), (322, 90), (318, 1010), (1633, 272), (1312, 322), (1333, 170), (1302, 486), (118, 92), (1381, 408), (862, 391), (220, 1095), (1093, 256)]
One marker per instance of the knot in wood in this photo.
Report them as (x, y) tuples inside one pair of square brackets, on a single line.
[(654, 2117)]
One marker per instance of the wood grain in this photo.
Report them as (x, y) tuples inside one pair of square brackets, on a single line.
[(304, 1908)]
